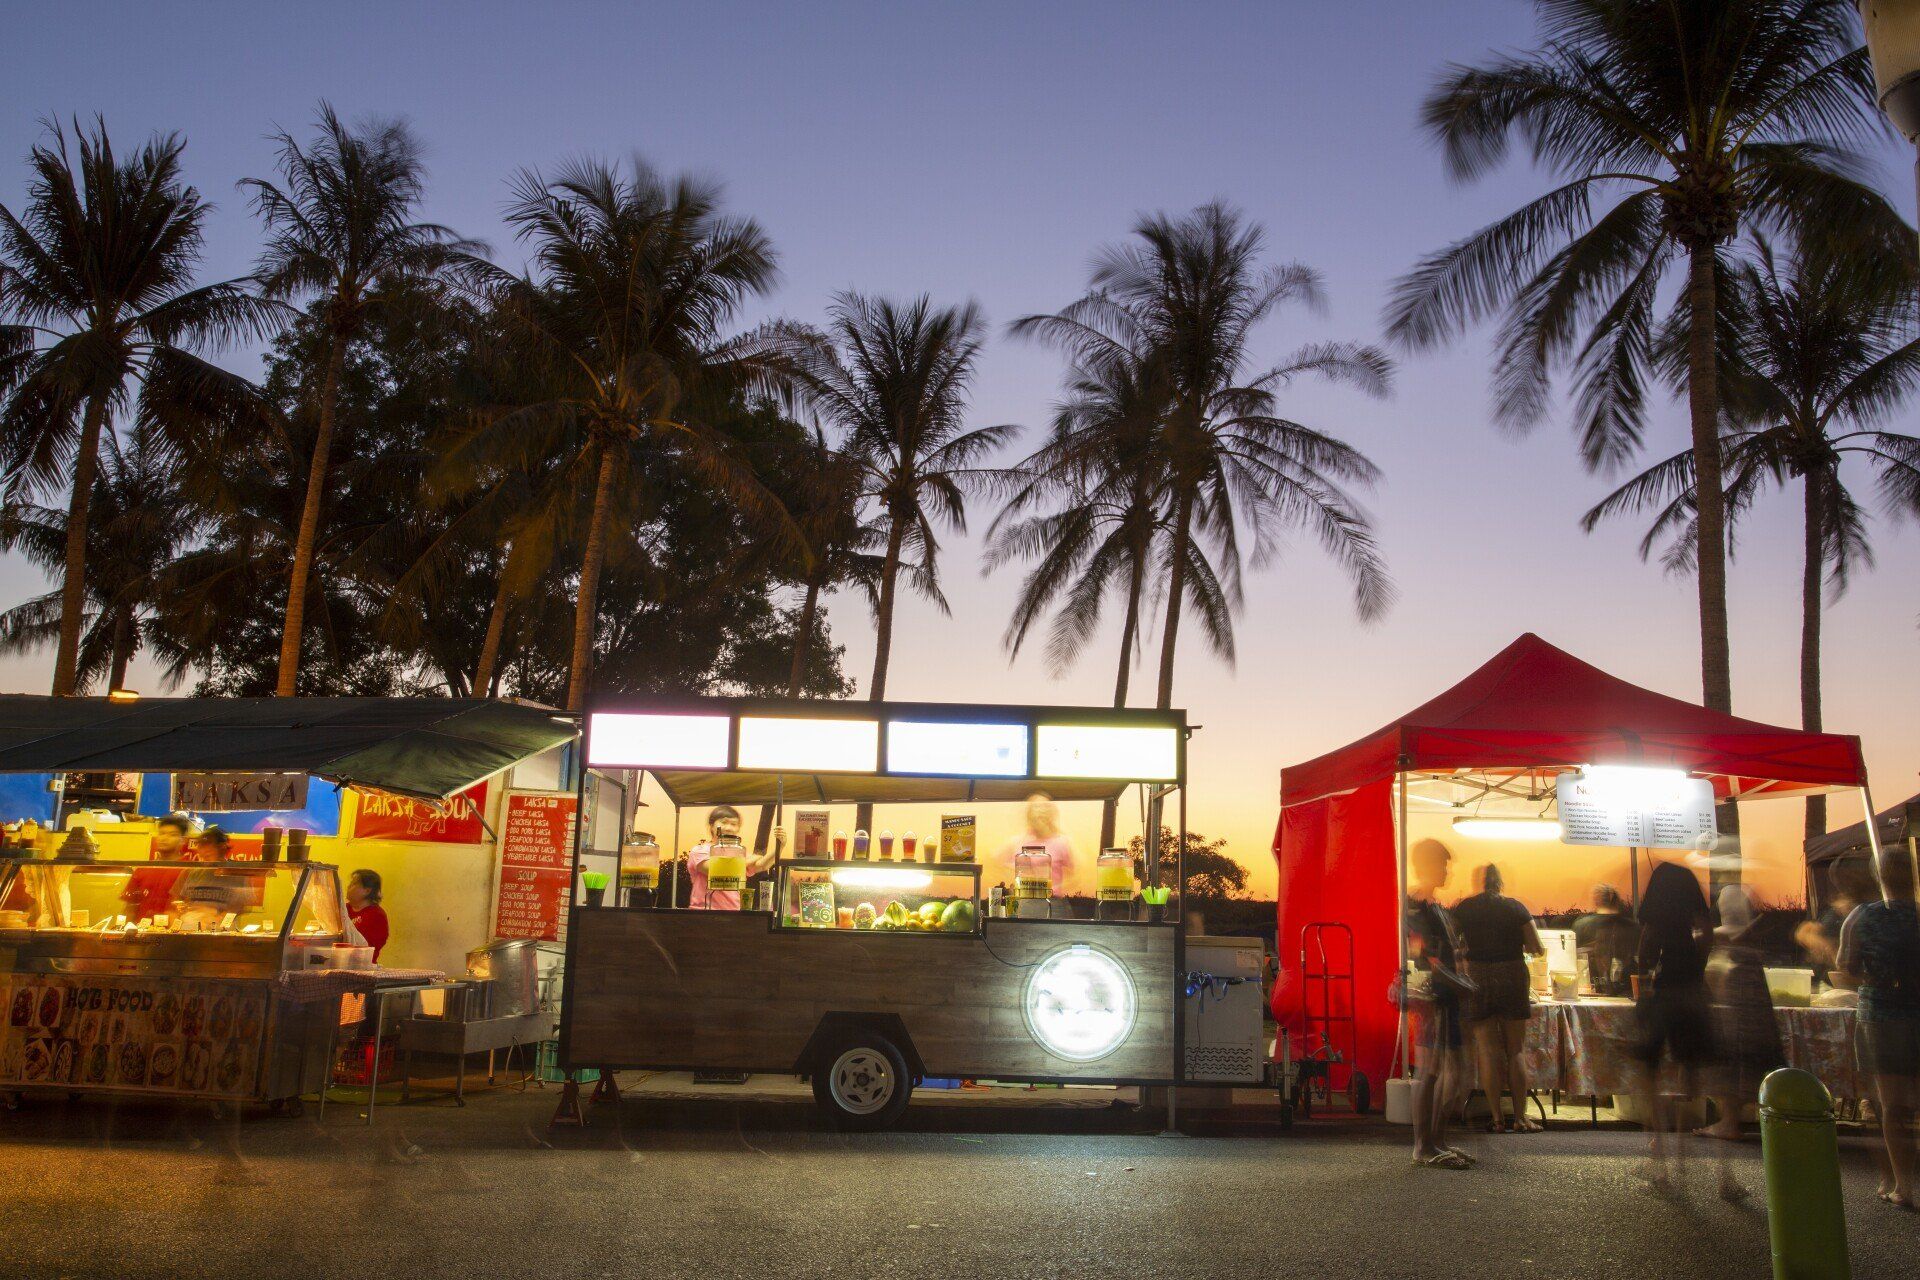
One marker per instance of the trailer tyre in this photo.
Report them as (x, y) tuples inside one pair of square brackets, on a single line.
[(862, 1082)]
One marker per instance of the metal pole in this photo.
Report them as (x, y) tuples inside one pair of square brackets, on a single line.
[(1406, 1060), (1633, 876), (673, 893)]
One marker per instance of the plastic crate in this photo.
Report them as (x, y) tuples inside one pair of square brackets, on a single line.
[(548, 1066), (940, 1082)]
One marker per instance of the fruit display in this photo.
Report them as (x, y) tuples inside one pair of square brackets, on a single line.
[(935, 915)]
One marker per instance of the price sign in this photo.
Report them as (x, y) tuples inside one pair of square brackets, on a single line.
[(1638, 808), (536, 865)]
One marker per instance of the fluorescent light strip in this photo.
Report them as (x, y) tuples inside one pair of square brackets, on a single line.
[(962, 750), (1132, 754), (622, 740), (1507, 828), (809, 745)]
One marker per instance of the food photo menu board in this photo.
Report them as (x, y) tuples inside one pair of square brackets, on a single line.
[(536, 865), (156, 1036)]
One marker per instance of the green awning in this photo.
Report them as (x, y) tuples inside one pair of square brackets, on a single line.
[(424, 747)]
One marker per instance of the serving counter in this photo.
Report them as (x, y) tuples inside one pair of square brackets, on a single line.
[(164, 977)]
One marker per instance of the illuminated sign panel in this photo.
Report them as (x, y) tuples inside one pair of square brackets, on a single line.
[(619, 740), (1106, 751), (964, 750), (1080, 1004), (809, 745)]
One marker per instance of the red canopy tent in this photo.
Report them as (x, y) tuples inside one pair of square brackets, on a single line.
[(1531, 709)]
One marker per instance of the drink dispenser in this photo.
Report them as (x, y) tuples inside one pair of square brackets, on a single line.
[(726, 871), (640, 869), (1033, 882), (1115, 884)]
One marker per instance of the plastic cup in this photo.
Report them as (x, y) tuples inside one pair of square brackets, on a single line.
[(909, 843), (839, 846)]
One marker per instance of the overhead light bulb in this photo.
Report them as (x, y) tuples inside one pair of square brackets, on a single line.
[(1507, 828)]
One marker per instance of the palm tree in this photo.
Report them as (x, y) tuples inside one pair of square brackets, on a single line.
[(623, 334), (1674, 123), (838, 541), (342, 232), (1089, 512), (97, 294), (893, 377), (1820, 353), (1188, 293), (135, 531)]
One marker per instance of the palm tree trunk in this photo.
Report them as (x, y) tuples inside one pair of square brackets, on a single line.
[(1176, 590), (483, 673), (122, 650), (1812, 574), (309, 533), (1703, 403), (583, 609), (883, 638), (1710, 549), (796, 674), (1110, 809), (73, 583)]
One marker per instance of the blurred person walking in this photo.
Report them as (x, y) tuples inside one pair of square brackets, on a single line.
[(1880, 955), (1497, 933), (1746, 1033), (1674, 1013), (1434, 992), (1609, 938)]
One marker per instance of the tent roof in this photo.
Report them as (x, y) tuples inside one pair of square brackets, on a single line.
[(426, 747), (1896, 825), (1534, 706), (687, 788)]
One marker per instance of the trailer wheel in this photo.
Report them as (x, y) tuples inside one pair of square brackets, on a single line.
[(862, 1082), (1359, 1094)]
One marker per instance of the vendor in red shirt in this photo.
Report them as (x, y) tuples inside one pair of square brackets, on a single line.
[(149, 890), (364, 909)]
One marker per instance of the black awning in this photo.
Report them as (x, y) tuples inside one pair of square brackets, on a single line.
[(1896, 826), (425, 747)]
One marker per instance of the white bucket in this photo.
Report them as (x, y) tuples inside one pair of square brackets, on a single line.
[(1400, 1100)]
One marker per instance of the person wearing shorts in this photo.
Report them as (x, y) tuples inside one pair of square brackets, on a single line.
[(1674, 1013), (1498, 935), (1879, 953)]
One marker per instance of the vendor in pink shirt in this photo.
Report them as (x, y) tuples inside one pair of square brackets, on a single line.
[(722, 822), (1043, 829)]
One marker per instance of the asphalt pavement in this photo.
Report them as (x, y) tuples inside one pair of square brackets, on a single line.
[(716, 1189)]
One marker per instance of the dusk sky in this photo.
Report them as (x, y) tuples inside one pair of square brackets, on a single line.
[(986, 151)]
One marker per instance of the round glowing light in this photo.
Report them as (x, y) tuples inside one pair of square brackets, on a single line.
[(1080, 1004)]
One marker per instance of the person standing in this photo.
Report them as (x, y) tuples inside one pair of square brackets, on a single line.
[(1497, 933), (1880, 955), (1432, 990), (149, 890), (364, 910), (1043, 830), (1609, 938)]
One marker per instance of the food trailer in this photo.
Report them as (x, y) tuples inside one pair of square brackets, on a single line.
[(868, 973)]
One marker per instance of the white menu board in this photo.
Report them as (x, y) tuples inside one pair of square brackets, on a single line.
[(1656, 813)]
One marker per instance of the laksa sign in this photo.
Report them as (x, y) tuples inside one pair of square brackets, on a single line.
[(456, 820)]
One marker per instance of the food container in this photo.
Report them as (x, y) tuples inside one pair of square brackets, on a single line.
[(511, 965), (1790, 987), (270, 843), (345, 957)]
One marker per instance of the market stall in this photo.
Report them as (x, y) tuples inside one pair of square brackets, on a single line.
[(870, 964), (1512, 751), (205, 970)]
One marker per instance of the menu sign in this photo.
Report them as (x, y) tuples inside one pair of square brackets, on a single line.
[(456, 820), (1679, 816), (536, 865), (810, 832), (956, 838), (167, 1036)]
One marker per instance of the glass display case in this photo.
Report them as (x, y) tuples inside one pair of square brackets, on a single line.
[(216, 919), (913, 898)]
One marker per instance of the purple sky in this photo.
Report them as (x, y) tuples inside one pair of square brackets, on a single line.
[(986, 150)]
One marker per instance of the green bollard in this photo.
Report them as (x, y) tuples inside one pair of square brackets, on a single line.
[(1806, 1222)]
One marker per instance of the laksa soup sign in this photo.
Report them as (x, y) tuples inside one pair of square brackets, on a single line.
[(456, 820)]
